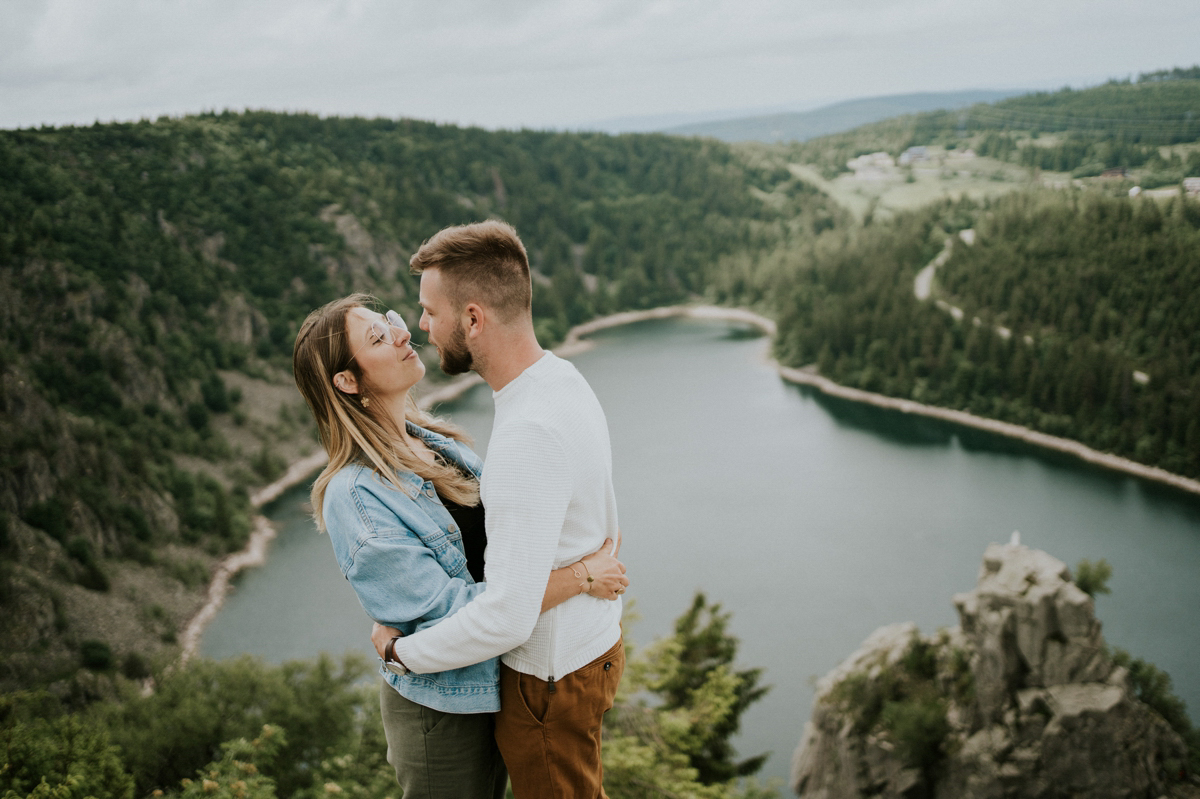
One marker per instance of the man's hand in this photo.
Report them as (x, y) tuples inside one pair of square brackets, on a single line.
[(608, 573), (380, 635)]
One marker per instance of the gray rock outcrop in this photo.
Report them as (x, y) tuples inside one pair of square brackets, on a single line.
[(1021, 700)]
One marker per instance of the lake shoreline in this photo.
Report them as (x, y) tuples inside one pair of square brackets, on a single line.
[(808, 376), (255, 551)]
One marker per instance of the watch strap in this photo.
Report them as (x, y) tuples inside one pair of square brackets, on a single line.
[(389, 652)]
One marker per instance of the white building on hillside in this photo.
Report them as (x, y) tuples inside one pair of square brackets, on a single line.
[(874, 166)]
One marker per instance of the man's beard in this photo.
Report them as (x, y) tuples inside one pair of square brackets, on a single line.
[(455, 356)]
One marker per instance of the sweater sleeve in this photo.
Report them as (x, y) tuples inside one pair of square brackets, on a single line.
[(526, 489)]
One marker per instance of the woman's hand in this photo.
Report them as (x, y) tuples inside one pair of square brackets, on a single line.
[(608, 573), (380, 635)]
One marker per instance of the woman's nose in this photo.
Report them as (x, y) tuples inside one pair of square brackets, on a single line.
[(403, 337)]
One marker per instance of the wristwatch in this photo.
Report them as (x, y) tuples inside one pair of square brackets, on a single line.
[(389, 659)]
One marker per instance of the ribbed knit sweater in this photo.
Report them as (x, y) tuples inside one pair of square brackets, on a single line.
[(547, 487)]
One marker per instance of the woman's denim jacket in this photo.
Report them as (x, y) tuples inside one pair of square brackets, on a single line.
[(403, 555)]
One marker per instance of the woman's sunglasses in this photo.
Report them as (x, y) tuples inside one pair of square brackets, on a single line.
[(381, 331)]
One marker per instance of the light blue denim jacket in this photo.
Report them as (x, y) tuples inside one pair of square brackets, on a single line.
[(403, 555)]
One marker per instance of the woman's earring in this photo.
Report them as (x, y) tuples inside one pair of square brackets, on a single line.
[(366, 402)]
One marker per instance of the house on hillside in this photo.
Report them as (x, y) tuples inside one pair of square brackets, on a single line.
[(873, 166), (914, 154), (1117, 172), (1192, 186)]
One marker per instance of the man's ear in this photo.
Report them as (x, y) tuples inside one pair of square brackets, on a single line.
[(345, 382), (474, 317)]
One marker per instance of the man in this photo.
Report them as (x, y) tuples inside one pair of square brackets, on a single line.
[(547, 487)]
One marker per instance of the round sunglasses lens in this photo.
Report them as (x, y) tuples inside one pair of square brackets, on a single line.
[(382, 332), (395, 320)]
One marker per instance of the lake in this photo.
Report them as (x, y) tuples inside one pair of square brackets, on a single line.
[(812, 520)]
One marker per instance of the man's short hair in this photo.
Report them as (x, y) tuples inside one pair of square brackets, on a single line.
[(484, 262)]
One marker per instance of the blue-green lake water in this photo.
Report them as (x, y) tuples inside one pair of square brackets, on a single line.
[(814, 521)]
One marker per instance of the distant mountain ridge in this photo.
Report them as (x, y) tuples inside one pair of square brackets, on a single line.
[(804, 125)]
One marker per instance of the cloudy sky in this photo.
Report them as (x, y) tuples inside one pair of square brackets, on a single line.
[(556, 63)]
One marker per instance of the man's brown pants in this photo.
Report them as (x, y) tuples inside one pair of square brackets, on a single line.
[(550, 740)]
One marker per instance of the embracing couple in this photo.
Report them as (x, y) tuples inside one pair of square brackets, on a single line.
[(509, 656)]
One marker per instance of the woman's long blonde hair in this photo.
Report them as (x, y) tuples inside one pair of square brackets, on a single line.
[(350, 431)]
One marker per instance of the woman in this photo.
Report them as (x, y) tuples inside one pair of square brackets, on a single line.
[(400, 501)]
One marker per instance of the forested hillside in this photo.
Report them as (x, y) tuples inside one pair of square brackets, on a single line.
[(154, 275), (1071, 313), (1144, 124)]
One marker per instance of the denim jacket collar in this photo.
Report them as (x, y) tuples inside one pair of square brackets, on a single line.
[(413, 484)]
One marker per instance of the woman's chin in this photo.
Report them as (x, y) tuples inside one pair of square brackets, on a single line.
[(419, 369)]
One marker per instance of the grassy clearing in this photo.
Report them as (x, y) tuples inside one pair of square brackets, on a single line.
[(901, 188)]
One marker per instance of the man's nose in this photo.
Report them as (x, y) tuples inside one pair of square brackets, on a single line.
[(423, 322)]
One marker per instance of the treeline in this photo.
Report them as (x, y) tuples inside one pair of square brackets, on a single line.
[(140, 261), (1176, 73), (1119, 124), (1085, 156), (240, 729), (1077, 316)]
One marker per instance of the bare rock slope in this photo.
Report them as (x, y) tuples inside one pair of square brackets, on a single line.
[(1021, 700)]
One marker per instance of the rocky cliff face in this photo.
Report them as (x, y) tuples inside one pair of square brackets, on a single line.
[(1021, 700)]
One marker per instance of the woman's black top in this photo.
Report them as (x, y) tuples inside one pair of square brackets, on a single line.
[(474, 534)]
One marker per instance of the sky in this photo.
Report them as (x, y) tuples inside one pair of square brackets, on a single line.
[(562, 64)]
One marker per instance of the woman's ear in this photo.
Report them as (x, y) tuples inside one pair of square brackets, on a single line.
[(345, 382)]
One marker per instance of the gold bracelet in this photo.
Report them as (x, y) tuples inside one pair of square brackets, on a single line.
[(582, 586)]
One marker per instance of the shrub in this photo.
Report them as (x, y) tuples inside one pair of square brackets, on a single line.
[(197, 416), (238, 773), (49, 515), (176, 731), (92, 577), (190, 572), (267, 465), (59, 757), (1153, 687), (903, 700), (214, 394), (96, 655), (80, 549), (918, 726), (1092, 578), (135, 666)]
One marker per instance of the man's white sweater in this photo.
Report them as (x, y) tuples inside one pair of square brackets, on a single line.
[(547, 487)]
